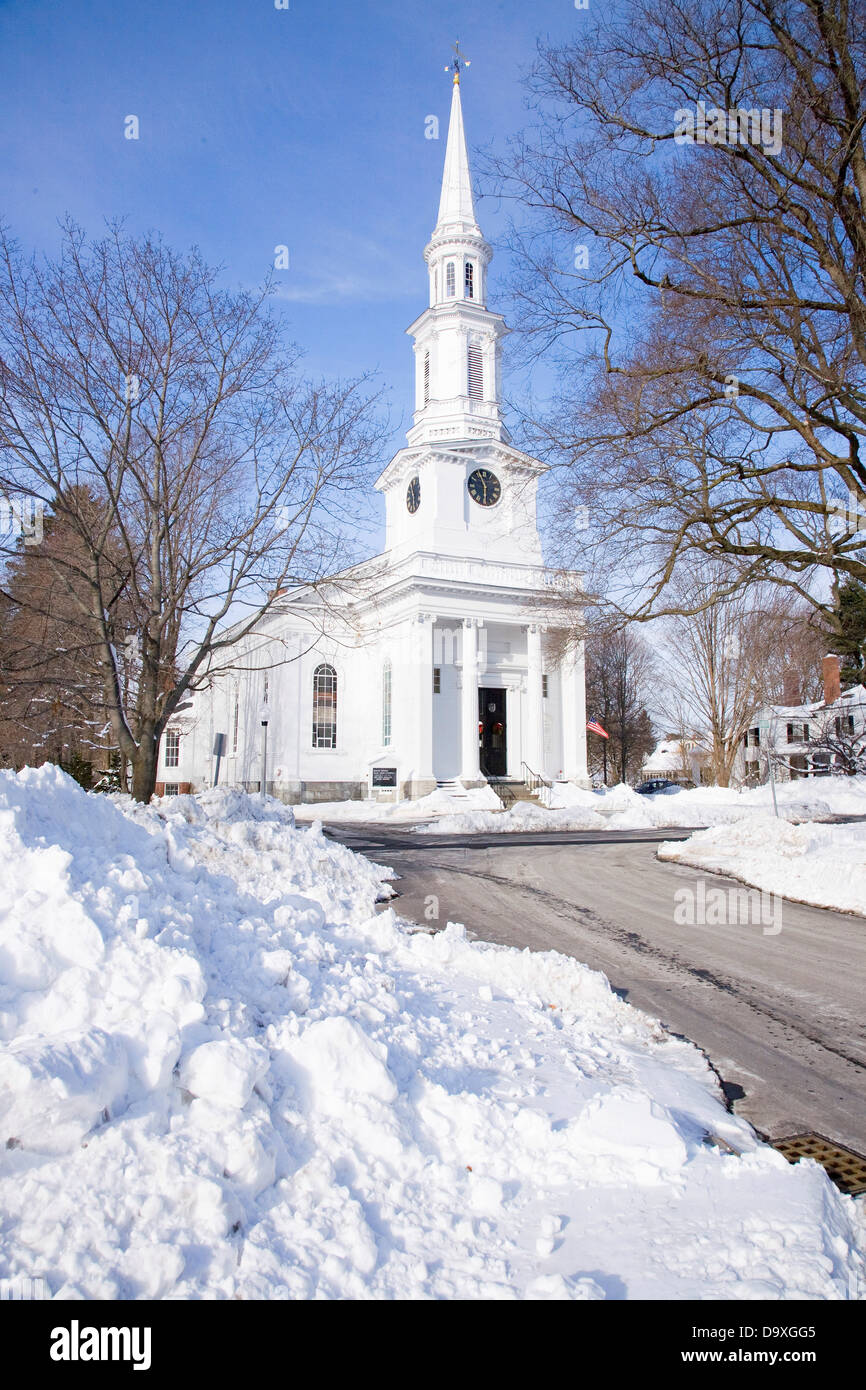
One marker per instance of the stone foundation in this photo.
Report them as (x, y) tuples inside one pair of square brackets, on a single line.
[(417, 787), (293, 793)]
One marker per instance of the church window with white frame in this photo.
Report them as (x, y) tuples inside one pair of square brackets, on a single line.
[(386, 704), (172, 748), (236, 716), (450, 281), (324, 706), (426, 378), (469, 281)]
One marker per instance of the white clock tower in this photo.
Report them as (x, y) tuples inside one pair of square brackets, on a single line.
[(460, 488)]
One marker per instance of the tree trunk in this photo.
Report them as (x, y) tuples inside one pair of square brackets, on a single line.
[(144, 770)]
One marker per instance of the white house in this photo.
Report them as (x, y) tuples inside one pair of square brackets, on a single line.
[(437, 660), (793, 734), (677, 759)]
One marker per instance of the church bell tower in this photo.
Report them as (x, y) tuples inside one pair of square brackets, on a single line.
[(460, 488), (457, 339)]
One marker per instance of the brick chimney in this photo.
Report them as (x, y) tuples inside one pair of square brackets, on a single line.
[(790, 686), (832, 683)]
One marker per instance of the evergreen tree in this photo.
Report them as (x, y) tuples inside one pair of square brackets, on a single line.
[(849, 641)]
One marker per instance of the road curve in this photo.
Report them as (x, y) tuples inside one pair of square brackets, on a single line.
[(780, 1016)]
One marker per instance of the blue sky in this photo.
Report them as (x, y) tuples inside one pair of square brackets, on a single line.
[(261, 127)]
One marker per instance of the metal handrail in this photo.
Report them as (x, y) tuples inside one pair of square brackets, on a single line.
[(533, 780)]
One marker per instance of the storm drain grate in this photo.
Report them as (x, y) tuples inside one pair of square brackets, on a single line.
[(847, 1169)]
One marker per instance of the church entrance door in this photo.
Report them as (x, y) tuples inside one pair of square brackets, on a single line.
[(492, 748)]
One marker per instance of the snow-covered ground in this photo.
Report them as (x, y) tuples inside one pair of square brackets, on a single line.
[(820, 864), (566, 807), (439, 803), (224, 1074)]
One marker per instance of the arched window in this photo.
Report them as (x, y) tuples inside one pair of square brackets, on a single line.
[(386, 704), (324, 707), (476, 374), (469, 281), (450, 281), (426, 377)]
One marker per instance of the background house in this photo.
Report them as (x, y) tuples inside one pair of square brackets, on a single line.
[(678, 759), (808, 740)]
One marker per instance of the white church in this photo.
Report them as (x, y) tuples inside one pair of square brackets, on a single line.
[(444, 662)]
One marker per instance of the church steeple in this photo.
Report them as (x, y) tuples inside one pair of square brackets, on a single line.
[(457, 254), (460, 490), (457, 340), (456, 205)]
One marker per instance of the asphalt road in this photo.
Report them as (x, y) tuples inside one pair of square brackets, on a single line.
[(780, 1016)]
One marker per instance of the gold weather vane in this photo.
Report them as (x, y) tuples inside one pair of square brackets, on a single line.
[(458, 64)]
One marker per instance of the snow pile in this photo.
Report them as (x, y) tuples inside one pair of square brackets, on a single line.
[(443, 801), (523, 815), (478, 810), (223, 1074), (567, 807), (824, 865), (812, 798)]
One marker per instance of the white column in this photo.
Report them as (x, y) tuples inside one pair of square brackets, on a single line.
[(470, 767), (513, 729), (423, 713), (574, 767), (534, 742)]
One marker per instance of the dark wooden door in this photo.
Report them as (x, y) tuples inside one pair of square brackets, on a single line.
[(492, 744)]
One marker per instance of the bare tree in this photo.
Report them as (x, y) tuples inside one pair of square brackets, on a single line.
[(222, 477), (51, 694), (708, 295), (728, 656), (619, 672)]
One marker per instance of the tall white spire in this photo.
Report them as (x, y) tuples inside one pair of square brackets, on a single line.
[(457, 339), (457, 239), (456, 205)]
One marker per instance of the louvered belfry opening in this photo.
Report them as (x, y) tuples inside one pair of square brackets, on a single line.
[(476, 374)]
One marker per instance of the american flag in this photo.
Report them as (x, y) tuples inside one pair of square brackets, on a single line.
[(596, 728)]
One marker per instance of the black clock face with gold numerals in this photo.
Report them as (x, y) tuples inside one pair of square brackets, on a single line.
[(413, 495), (484, 487)]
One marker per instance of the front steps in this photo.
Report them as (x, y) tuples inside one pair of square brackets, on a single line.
[(508, 791), (454, 787), (511, 792)]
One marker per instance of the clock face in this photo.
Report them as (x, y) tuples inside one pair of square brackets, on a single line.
[(484, 487), (413, 495)]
